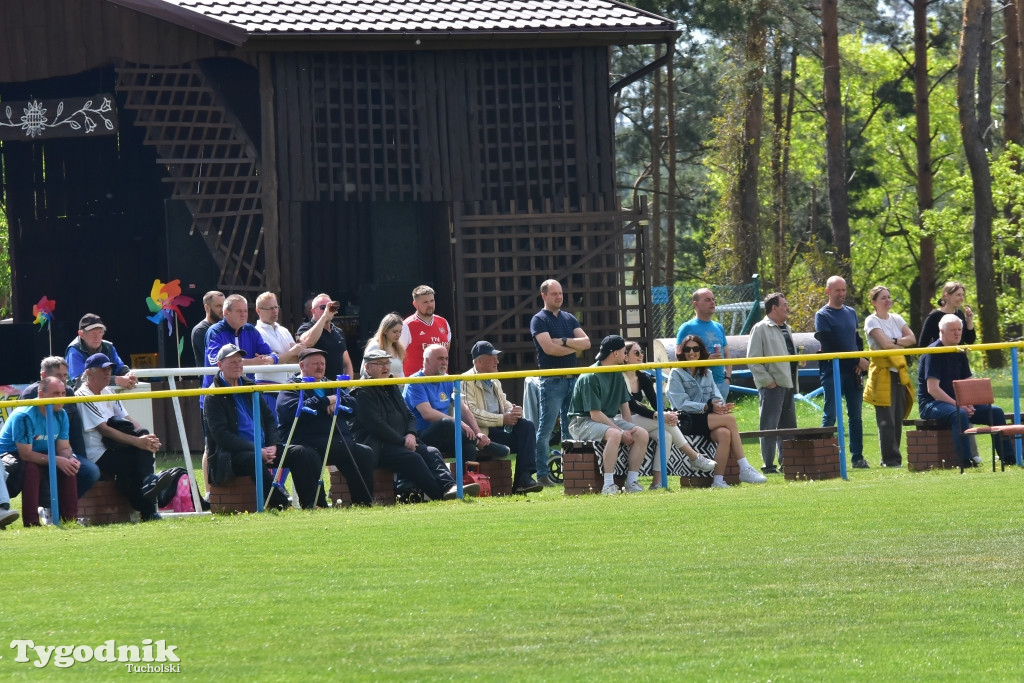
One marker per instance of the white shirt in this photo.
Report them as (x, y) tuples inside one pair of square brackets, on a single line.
[(94, 414), (279, 339)]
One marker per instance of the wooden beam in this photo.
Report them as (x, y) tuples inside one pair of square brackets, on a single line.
[(268, 163)]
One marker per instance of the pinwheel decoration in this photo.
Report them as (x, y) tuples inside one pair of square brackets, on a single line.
[(165, 302), (44, 316)]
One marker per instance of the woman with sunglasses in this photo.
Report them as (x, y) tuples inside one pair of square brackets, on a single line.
[(641, 397), (692, 391)]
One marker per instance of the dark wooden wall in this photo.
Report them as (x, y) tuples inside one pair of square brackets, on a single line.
[(47, 38)]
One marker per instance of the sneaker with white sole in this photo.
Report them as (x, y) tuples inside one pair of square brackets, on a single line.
[(720, 485), (633, 487), (610, 490), (748, 475), (702, 463), (976, 459)]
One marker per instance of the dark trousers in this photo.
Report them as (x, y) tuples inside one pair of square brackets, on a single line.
[(67, 493), (522, 440), (424, 467), (441, 435), (302, 463), (129, 466)]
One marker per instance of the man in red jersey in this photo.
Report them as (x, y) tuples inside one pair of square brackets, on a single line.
[(421, 329)]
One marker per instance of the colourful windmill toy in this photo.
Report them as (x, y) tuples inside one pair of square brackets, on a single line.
[(43, 311), (165, 303)]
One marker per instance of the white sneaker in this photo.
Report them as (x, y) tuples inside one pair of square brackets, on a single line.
[(702, 463), (748, 475), (610, 490), (634, 487), (720, 485), (44, 516)]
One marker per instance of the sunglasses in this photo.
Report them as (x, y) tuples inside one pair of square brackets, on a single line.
[(691, 349), (637, 352)]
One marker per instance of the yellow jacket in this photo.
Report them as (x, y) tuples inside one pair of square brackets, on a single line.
[(877, 387)]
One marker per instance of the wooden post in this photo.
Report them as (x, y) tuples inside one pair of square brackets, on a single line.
[(268, 171)]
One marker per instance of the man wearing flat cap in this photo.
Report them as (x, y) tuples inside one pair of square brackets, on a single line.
[(231, 436), (89, 341), (118, 445), (385, 424), (599, 411), (315, 422), (503, 420)]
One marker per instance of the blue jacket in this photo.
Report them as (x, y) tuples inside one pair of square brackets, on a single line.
[(248, 339)]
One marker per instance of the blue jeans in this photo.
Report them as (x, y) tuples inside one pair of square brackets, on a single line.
[(88, 474), (850, 386), (958, 421), (555, 394)]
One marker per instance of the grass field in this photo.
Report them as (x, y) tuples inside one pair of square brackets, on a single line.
[(889, 575)]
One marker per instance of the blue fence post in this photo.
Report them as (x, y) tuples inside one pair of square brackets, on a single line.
[(458, 438), (51, 452), (1016, 400), (257, 442), (837, 396), (662, 449)]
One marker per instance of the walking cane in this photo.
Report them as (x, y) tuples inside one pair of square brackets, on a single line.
[(287, 443), (330, 438)]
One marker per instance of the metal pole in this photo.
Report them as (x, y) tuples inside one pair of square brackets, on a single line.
[(458, 439), (257, 442), (1016, 400), (662, 450), (837, 396), (51, 451), (183, 437)]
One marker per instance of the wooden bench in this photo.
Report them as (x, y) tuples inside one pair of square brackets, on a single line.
[(930, 446), (104, 504), (583, 465), (808, 453), (383, 487)]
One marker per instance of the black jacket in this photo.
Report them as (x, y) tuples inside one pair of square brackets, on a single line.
[(221, 412), (382, 416), (314, 425)]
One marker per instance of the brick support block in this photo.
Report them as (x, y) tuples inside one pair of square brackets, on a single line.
[(931, 449), (104, 504), (810, 459), (383, 487), (238, 495)]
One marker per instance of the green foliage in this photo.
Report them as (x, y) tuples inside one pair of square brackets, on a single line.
[(5, 267)]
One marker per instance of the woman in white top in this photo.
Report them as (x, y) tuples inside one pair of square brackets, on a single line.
[(888, 387), (386, 339)]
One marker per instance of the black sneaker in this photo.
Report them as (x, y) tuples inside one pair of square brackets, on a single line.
[(8, 517), (527, 487), (151, 517), (861, 464), (770, 469)]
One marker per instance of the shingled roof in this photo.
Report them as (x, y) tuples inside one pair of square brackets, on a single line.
[(238, 20)]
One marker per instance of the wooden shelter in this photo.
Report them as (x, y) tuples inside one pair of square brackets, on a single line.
[(357, 147)]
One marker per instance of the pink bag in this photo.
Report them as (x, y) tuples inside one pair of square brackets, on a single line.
[(182, 500)]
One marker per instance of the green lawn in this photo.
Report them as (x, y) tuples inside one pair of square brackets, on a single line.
[(889, 575)]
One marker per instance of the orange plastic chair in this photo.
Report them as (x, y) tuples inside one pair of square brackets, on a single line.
[(978, 391)]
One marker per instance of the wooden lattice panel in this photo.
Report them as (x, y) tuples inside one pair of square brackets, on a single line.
[(210, 160), (501, 260)]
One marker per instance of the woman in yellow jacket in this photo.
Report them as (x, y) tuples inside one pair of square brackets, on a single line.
[(888, 387)]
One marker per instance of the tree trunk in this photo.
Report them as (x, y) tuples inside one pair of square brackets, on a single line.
[(835, 157), (1012, 130), (656, 276), (748, 241), (925, 174), (968, 70), (673, 189)]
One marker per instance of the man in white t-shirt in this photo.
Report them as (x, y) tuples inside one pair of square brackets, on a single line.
[(280, 341)]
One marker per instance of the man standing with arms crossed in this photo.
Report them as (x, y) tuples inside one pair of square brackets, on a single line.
[(712, 334), (835, 326), (421, 329), (557, 336), (213, 302)]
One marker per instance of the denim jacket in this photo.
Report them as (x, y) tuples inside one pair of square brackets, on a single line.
[(691, 393)]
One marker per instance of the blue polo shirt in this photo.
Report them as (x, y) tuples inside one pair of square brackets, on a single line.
[(27, 425), (558, 326), (437, 394)]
